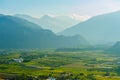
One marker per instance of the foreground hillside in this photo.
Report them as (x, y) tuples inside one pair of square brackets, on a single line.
[(20, 33)]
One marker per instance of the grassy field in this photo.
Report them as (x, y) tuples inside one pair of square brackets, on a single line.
[(42, 64)]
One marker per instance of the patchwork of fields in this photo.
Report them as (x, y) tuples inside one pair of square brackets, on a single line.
[(44, 64)]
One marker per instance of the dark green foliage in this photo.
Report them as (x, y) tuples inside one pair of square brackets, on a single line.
[(117, 70), (107, 74), (76, 49), (91, 77)]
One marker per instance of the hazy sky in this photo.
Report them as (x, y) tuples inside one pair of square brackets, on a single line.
[(59, 7)]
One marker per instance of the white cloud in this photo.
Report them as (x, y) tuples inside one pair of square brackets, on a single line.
[(79, 17)]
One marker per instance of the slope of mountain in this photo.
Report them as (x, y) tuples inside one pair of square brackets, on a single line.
[(19, 33), (99, 29), (115, 48), (56, 24)]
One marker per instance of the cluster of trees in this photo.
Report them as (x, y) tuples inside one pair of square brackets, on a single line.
[(77, 49), (4, 61), (62, 76), (117, 70), (80, 76), (53, 63)]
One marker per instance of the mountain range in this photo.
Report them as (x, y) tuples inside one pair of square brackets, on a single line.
[(56, 24), (19, 33), (99, 29)]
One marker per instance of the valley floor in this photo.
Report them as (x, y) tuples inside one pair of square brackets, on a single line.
[(52, 65)]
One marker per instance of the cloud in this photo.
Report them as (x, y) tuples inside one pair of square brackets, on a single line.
[(81, 18)]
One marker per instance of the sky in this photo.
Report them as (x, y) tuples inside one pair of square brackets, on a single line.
[(75, 8)]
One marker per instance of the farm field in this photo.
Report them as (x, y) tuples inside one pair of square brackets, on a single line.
[(45, 64)]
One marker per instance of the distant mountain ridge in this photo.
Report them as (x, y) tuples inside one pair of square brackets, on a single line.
[(56, 24), (99, 29), (20, 33)]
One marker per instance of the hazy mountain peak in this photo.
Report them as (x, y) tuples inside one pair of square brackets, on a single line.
[(20, 33), (56, 24), (99, 29), (21, 15), (46, 17), (24, 16), (81, 17)]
